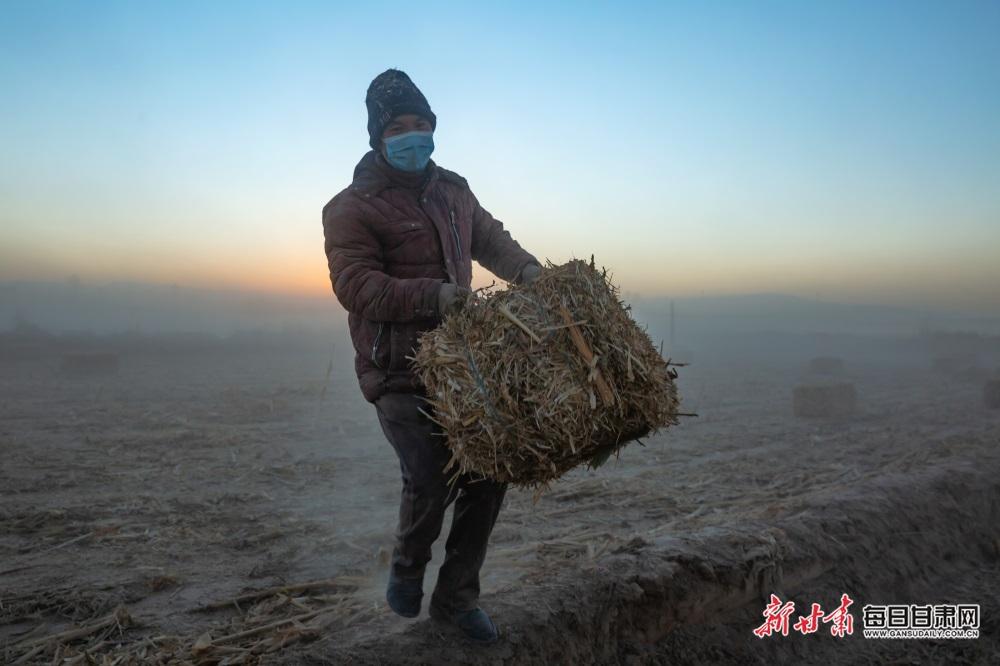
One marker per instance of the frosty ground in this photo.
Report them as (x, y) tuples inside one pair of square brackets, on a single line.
[(194, 476)]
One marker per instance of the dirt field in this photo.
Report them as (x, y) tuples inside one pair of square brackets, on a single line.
[(138, 507)]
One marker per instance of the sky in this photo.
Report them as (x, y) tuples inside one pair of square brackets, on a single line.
[(845, 151)]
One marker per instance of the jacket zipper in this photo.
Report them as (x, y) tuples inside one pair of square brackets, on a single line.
[(378, 336), (454, 231)]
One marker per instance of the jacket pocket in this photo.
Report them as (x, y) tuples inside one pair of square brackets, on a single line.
[(378, 346)]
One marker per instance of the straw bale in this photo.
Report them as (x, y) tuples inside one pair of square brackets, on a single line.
[(824, 400), (532, 381)]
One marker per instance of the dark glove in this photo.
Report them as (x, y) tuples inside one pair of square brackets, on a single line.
[(530, 273), (451, 297)]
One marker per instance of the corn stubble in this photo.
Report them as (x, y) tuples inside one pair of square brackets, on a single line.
[(532, 381)]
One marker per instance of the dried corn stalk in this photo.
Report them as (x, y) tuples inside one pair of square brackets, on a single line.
[(532, 381)]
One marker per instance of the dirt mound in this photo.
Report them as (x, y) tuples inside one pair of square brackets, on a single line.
[(904, 539)]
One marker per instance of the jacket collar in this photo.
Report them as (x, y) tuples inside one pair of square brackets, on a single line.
[(373, 174)]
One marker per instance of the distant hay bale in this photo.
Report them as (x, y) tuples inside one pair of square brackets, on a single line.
[(991, 393), (89, 364), (532, 381), (826, 365), (828, 400), (965, 366)]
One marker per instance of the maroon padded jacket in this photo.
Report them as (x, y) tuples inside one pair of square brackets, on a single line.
[(392, 239)]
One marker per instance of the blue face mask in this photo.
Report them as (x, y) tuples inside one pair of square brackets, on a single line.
[(410, 151)]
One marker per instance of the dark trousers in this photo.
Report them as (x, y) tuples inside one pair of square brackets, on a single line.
[(423, 455)]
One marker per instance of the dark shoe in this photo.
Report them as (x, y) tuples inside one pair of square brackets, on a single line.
[(475, 623), (404, 596)]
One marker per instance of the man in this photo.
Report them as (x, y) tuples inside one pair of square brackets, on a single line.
[(400, 243)]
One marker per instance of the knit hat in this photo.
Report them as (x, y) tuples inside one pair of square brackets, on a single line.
[(393, 94)]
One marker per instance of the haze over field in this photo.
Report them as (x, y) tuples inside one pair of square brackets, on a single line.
[(846, 153), (800, 202)]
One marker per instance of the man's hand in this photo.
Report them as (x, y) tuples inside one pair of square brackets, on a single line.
[(451, 297), (530, 273)]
